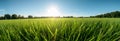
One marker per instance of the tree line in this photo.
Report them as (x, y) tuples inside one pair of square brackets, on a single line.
[(115, 14), (14, 16)]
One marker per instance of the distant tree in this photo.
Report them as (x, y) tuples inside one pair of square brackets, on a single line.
[(22, 17), (19, 16), (80, 17), (30, 16), (67, 16), (7, 16), (1, 17), (14, 16), (91, 16), (70, 16)]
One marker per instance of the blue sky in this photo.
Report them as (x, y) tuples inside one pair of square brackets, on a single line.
[(64, 7)]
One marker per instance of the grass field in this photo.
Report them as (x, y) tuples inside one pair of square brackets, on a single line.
[(60, 29)]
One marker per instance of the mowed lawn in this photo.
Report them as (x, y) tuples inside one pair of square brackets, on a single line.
[(60, 29)]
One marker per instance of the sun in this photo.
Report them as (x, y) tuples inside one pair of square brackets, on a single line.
[(53, 11)]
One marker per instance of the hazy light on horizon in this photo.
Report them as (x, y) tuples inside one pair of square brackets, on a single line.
[(52, 10)]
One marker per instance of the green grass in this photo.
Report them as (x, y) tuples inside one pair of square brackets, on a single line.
[(60, 29)]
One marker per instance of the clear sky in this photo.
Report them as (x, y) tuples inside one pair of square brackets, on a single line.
[(58, 7)]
